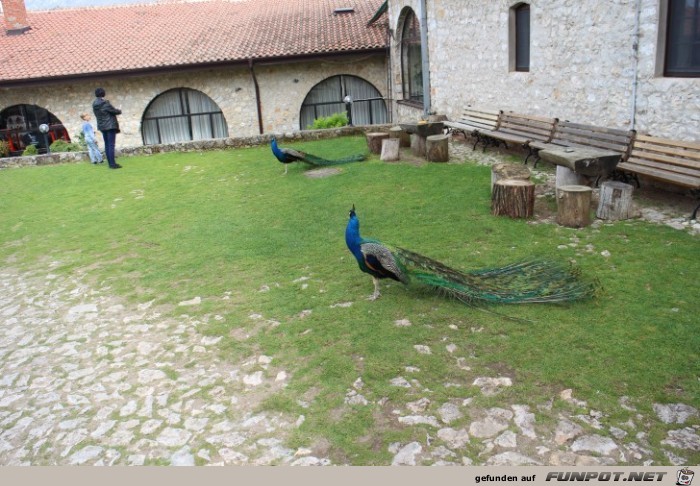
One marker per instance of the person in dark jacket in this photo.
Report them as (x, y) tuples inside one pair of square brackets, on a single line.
[(106, 118)]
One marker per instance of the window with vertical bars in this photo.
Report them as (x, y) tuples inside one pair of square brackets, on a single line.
[(182, 115)]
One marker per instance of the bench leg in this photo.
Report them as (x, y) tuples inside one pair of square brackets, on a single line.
[(695, 213), (530, 152)]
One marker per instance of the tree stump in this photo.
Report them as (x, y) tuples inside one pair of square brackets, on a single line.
[(437, 148), (374, 141), (418, 145), (574, 206), (404, 137), (509, 171), (615, 201), (514, 198), (390, 149)]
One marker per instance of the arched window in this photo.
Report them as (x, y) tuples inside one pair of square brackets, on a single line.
[(181, 115), (326, 98), (19, 127), (411, 58)]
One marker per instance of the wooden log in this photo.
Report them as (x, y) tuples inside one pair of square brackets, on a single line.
[(437, 148), (514, 198), (509, 171), (403, 136), (374, 141), (574, 206), (418, 145), (615, 201), (390, 149)]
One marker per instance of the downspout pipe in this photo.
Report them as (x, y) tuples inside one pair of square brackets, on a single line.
[(424, 57), (635, 68), (258, 103)]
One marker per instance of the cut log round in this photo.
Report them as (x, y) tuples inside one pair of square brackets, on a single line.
[(615, 201), (509, 171), (514, 198), (418, 145), (404, 137), (374, 141), (574, 206), (390, 149), (437, 148)]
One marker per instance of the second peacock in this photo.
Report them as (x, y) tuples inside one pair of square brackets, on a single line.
[(525, 282), (289, 155)]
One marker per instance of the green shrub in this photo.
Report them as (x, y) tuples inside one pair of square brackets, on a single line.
[(79, 139), (4, 148), (333, 121), (61, 145), (30, 150)]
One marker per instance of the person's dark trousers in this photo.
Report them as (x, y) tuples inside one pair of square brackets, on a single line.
[(110, 137)]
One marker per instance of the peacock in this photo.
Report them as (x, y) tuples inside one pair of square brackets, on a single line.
[(288, 155), (524, 282)]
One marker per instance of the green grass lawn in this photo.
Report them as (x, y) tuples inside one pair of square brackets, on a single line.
[(229, 227)]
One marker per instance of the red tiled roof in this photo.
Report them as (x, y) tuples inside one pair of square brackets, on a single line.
[(75, 42)]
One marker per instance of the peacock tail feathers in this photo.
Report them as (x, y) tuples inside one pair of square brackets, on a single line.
[(321, 162), (518, 283)]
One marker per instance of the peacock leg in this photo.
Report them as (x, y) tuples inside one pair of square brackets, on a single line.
[(376, 293), (286, 166)]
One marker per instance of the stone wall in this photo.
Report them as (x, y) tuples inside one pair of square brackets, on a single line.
[(231, 88), (582, 64)]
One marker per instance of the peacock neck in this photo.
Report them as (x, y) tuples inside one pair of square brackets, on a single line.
[(352, 236)]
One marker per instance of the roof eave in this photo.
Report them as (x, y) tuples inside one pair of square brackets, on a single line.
[(53, 80)]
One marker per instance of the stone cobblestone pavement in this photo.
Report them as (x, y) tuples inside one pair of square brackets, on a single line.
[(84, 379)]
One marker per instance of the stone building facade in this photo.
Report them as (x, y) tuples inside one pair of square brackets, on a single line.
[(282, 87), (590, 62)]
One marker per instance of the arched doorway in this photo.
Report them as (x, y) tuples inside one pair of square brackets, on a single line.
[(182, 115), (19, 127), (326, 98)]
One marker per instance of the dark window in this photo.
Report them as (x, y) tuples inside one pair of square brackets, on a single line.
[(522, 38), (326, 98), (683, 41), (411, 59), (181, 115)]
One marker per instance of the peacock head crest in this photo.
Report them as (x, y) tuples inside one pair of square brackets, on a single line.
[(352, 211)]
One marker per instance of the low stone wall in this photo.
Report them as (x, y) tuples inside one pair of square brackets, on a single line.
[(197, 146)]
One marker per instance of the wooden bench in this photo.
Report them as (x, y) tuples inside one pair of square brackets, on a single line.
[(569, 134), (472, 121), (520, 129), (670, 161)]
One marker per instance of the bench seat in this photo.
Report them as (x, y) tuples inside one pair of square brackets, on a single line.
[(670, 161), (473, 121)]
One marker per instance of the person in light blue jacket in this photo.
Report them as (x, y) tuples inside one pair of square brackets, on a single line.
[(89, 132)]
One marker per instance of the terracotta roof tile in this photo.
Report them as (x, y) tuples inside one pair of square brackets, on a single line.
[(74, 42)]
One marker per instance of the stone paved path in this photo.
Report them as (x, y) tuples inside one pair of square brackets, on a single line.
[(84, 379)]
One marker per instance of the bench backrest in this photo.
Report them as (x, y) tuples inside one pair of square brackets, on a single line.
[(581, 135), (535, 128), (667, 159), (479, 118)]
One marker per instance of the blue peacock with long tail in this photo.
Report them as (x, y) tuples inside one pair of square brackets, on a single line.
[(289, 155), (525, 282)]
